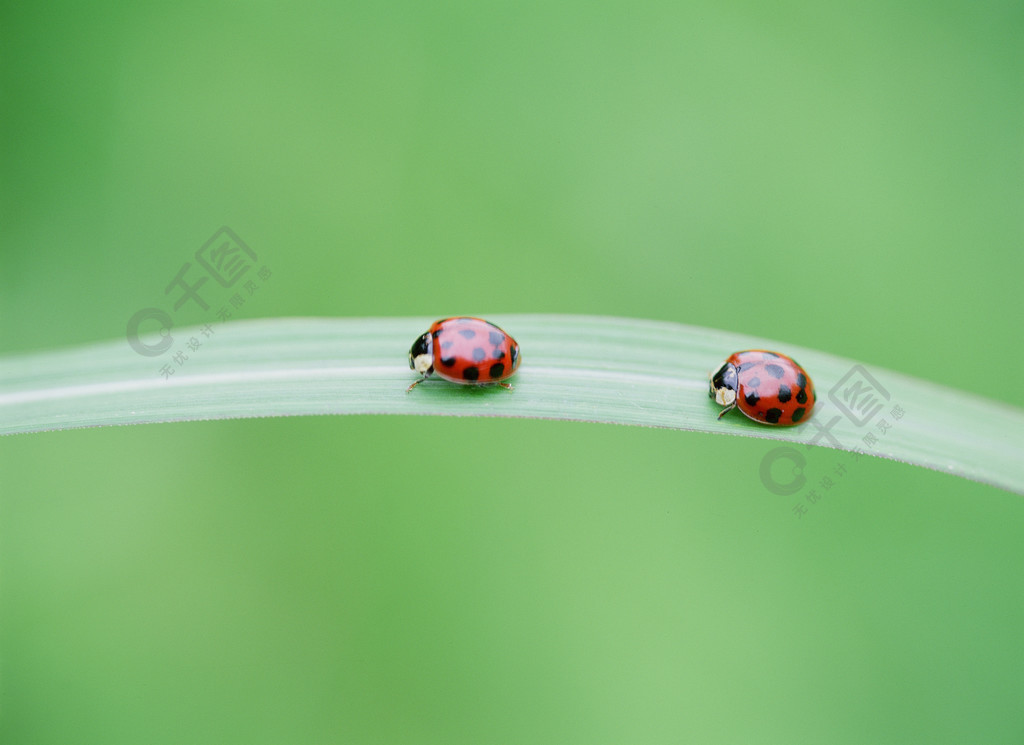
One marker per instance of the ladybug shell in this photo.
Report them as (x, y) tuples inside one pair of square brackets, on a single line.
[(472, 351), (773, 388)]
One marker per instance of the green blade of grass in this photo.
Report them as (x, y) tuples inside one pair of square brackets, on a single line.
[(583, 368)]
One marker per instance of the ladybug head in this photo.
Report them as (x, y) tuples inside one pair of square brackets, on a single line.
[(724, 385), (421, 356)]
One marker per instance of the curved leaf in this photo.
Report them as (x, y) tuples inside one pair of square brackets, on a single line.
[(584, 368)]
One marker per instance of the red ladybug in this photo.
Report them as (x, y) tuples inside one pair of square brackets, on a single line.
[(465, 350), (768, 387)]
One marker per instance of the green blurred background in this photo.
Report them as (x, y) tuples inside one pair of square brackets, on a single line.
[(848, 177)]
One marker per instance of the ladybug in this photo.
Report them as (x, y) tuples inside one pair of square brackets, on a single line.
[(465, 350), (768, 387)]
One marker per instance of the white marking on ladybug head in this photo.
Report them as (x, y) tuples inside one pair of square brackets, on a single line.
[(422, 362), (725, 396)]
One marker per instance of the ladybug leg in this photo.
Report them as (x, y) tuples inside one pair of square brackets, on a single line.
[(416, 383), (727, 409), (506, 386)]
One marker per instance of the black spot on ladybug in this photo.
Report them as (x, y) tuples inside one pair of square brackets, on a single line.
[(775, 371), (496, 337), (436, 333), (479, 354), (752, 398), (498, 354), (801, 397), (801, 380), (471, 373), (497, 370), (447, 344), (772, 416), (447, 361), (785, 393), (770, 355), (754, 383), (798, 415), (467, 333), (515, 355)]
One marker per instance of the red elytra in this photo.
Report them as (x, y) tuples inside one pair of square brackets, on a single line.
[(768, 387), (465, 350)]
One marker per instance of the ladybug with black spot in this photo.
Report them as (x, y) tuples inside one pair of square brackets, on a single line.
[(465, 350), (768, 387)]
